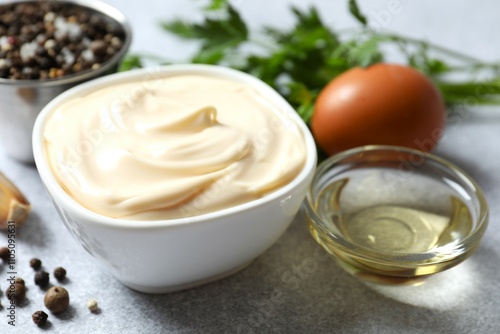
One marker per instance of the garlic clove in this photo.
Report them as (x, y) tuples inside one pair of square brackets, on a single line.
[(13, 204)]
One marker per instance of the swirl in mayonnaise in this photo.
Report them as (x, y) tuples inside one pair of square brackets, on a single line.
[(174, 147)]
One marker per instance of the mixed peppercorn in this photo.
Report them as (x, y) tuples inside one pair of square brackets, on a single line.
[(56, 298), (44, 40), (52, 39)]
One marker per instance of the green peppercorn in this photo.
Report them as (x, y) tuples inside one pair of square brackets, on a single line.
[(56, 299), (39, 318), (42, 278), (60, 273)]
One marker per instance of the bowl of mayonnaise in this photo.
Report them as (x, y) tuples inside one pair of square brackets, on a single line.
[(175, 176)]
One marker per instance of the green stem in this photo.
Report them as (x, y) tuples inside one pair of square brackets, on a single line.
[(452, 53), (480, 93), (457, 100), (476, 63), (475, 67), (263, 43), (471, 88)]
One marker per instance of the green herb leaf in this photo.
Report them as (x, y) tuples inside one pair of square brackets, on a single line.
[(306, 111), (213, 31), (437, 66), (130, 62), (184, 30), (219, 35), (213, 54), (299, 61), (354, 9), (301, 96), (424, 62), (368, 53), (217, 5), (359, 51), (299, 93)]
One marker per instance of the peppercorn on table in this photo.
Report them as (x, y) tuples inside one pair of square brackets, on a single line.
[(294, 287)]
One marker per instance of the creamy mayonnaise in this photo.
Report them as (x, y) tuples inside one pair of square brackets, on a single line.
[(173, 147)]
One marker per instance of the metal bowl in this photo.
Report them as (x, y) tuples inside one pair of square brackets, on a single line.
[(22, 100)]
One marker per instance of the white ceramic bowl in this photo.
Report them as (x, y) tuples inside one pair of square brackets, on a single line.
[(169, 255)]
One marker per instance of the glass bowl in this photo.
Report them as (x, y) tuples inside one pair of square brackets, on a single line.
[(395, 215)]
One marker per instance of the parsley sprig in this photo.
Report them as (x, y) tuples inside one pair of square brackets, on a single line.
[(300, 61)]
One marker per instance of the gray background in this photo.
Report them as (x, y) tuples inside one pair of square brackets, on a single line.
[(292, 288)]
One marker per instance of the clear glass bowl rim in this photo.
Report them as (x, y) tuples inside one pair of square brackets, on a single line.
[(464, 246)]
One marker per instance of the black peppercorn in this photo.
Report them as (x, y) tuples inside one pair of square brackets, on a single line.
[(16, 292), (98, 47), (39, 318), (4, 253), (35, 263), (42, 278), (19, 280), (60, 273)]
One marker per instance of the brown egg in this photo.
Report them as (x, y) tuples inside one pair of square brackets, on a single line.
[(384, 104)]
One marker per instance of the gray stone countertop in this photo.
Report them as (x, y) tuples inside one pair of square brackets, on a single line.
[(291, 288)]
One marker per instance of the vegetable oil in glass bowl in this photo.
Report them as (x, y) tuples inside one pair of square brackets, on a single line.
[(390, 221)]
